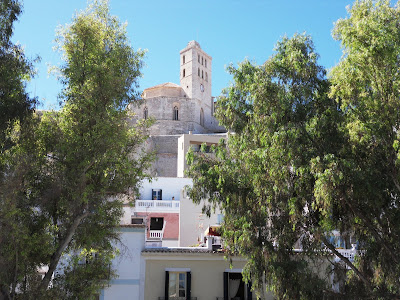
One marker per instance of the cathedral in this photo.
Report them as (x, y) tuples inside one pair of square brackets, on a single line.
[(182, 109)]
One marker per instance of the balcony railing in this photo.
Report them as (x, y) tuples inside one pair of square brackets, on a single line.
[(177, 298), (349, 254), (156, 234), (156, 205)]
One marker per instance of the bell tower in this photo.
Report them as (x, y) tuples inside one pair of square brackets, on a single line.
[(195, 72)]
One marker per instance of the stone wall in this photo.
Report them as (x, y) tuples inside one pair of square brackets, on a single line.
[(161, 109), (166, 150)]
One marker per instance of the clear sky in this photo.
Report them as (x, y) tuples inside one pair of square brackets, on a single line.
[(228, 30)]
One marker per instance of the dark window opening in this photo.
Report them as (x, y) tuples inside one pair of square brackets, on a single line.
[(206, 77), (202, 60), (156, 194), (137, 221), (156, 223), (205, 62), (202, 117), (198, 72), (202, 74), (145, 113), (184, 73), (183, 59), (176, 111), (198, 58), (235, 287)]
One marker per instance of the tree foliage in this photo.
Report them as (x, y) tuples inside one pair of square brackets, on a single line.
[(75, 168), (309, 155), (15, 69), (16, 108), (367, 83), (281, 117)]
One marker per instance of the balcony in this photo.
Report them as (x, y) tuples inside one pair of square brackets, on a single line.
[(177, 298), (349, 254), (156, 234), (156, 205)]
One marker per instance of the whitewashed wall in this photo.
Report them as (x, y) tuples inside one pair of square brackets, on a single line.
[(129, 265)]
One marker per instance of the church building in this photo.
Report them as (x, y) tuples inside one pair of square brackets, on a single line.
[(187, 108)]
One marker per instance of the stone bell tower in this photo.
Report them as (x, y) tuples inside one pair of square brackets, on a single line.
[(195, 72)]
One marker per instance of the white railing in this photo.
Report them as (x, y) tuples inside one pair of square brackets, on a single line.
[(156, 205), (156, 234), (348, 253)]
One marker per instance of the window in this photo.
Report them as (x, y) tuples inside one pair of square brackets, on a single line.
[(202, 60), (220, 218), (183, 74), (206, 76), (198, 72), (145, 113), (183, 59), (136, 220), (198, 58), (235, 287), (156, 223), (202, 74), (175, 116), (205, 62), (156, 194), (177, 285), (201, 117)]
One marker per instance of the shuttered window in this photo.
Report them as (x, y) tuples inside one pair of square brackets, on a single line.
[(177, 285), (156, 194)]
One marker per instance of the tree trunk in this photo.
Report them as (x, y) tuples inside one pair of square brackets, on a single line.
[(57, 255), (348, 262)]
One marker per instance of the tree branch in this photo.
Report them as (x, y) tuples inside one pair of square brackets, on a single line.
[(347, 262), (57, 255)]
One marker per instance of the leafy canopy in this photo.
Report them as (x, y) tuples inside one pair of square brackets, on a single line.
[(75, 168), (262, 177), (309, 155)]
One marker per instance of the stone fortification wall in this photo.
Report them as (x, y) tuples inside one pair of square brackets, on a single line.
[(166, 150)]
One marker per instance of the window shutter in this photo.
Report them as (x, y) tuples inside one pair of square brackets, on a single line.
[(166, 285), (226, 279), (249, 293), (153, 194), (160, 196), (188, 285)]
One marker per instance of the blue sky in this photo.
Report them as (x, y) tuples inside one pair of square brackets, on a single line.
[(229, 31)]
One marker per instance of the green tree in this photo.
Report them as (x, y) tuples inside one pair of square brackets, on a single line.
[(15, 103), (282, 118), (309, 156), (78, 165), (16, 109), (366, 182)]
